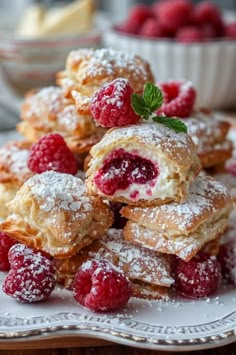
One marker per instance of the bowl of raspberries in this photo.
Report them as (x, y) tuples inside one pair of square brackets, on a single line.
[(183, 40)]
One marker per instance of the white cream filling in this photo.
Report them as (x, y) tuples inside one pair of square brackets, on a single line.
[(163, 186)]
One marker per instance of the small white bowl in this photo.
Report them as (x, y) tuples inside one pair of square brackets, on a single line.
[(211, 66)]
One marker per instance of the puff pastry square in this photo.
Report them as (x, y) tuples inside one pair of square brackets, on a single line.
[(210, 137), (89, 69), (145, 268), (181, 229), (47, 110), (53, 213), (13, 171), (147, 163)]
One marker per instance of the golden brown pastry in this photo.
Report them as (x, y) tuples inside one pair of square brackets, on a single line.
[(53, 213), (210, 137), (89, 69), (142, 266), (147, 163), (181, 229), (13, 171), (46, 110)]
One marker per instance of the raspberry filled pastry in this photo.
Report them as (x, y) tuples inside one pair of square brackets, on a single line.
[(53, 213), (148, 271), (181, 229), (210, 137), (13, 171), (147, 163), (89, 69), (46, 110)]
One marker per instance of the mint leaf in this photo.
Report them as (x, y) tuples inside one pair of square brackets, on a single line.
[(152, 96), (139, 106), (173, 123)]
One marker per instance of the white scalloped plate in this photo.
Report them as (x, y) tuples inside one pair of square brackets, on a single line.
[(174, 326)]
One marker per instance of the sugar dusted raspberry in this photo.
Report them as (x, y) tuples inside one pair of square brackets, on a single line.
[(122, 169), (111, 104), (230, 30), (178, 98), (52, 153), (206, 12), (32, 276), (173, 14), (99, 286), (227, 260), (189, 34), (5, 244), (152, 28), (198, 277)]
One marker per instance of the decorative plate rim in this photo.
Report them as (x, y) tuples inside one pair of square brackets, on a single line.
[(90, 328)]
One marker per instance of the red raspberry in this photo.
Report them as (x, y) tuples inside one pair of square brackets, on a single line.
[(52, 153), (151, 28), (178, 98), (208, 13), (230, 166), (189, 34), (230, 31), (111, 104), (99, 286), (227, 260), (198, 277), (173, 14), (208, 31), (5, 244), (32, 276)]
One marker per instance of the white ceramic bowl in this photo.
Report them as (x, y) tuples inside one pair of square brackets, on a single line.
[(211, 66)]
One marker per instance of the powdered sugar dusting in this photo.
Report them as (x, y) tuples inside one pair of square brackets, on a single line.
[(107, 61), (203, 193), (59, 191), (15, 159), (148, 133)]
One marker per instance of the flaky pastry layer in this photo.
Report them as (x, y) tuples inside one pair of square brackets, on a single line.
[(53, 213), (173, 154)]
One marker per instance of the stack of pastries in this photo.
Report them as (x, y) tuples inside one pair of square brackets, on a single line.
[(148, 168)]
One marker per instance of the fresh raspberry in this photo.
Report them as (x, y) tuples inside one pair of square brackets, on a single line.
[(208, 13), (227, 260), (52, 153), (5, 244), (189, 34), (99, 286), (230, 166), (119, 220), (230, 30), (198, 277), (32, 276), (111, 104), (173, 14), (121, 169), (208, 31), (178, 98), (151, 28)]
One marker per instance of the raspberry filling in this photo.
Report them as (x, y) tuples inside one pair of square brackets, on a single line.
[(121, 169)]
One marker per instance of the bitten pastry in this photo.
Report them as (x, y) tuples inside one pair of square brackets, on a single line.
[(148, 271), (147, 163), (13, 171), (89, 69), (210, 137), (47, 110), (181, 229), (53, 213)]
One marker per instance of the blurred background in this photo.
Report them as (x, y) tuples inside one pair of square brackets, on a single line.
[(36, 37)]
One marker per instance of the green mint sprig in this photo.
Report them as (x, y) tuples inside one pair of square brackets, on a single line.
[(145, 105)]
